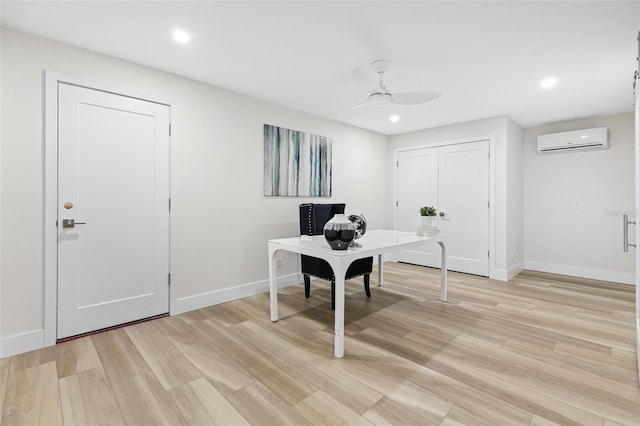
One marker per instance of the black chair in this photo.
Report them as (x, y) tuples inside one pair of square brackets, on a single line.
[(313, 217)]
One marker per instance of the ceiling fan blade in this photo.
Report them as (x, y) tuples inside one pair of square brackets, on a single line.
[(365, 103), (414, 98), (364, 79)]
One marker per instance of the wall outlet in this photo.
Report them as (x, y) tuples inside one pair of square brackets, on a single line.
[(577, 204), (279, 263)]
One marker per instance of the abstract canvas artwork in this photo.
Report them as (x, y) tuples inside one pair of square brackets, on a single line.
[(296, 164)]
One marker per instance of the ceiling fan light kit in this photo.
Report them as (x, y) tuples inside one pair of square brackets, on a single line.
[(380, 98), (380, 95)]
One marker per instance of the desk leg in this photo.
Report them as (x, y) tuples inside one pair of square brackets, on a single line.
[(443, 272), (380, 273), (273, 285), (338, 345)]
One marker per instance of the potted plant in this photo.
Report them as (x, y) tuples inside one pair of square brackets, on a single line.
[(428, 214)]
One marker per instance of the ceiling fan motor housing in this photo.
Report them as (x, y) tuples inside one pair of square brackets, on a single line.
[(380, 65)]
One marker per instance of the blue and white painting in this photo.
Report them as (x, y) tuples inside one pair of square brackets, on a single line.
[(296, 164)]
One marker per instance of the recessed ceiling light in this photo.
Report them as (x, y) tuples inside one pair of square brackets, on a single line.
[(181, 36), (548, 83), (394, 118)]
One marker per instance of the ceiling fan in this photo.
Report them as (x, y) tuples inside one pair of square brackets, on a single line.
[(378, 92)]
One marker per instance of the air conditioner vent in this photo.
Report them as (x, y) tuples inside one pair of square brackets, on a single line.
[(577, 140)]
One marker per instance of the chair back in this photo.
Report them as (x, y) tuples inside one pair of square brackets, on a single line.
[(313, 217)]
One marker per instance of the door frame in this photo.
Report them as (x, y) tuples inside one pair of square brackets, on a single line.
[(50, 196), (637, 212), (492, 191)]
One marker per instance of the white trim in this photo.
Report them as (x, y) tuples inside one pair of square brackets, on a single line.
[(507, 274), (515, 270), (493, 272), (636, 279), (445, 143), (500, 274), (493, 154), (173, 219), (578, 271), (50, 202), (203, 300), (21, 343)]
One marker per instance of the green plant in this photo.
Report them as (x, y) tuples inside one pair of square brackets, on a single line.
[(427, 211)]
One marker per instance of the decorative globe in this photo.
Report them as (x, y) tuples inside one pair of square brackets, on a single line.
[(360, 223)]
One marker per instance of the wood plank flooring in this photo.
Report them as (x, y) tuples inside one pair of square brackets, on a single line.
[(538, 350)]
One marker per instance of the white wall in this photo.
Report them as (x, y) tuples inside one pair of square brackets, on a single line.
[(583, 241), (507, 160), (515, 196), (217, 142), (218, 147)]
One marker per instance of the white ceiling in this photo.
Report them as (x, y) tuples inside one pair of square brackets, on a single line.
[(486, 58)]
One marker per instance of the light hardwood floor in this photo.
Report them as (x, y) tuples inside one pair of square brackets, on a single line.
[(539, 350)]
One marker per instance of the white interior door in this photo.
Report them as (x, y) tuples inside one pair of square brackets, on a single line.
[(113, 181), (417, 186), (458, 186), (463, 198)]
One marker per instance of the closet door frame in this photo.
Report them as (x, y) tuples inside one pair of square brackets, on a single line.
[(493, 273)]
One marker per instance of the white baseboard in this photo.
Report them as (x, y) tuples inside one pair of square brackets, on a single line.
[(32, 340), (20, 343), (498, 274), (203, 300), (577, 271), (506, 274)]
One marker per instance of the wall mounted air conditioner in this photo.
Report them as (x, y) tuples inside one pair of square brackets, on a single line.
[(578, 140)]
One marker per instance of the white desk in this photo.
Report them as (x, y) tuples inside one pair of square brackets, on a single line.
[(374, 242)]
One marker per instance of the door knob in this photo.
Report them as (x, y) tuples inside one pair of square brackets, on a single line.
[(71, 223)]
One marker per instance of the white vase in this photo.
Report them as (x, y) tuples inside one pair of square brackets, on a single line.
[(339, 232), (428, 220)]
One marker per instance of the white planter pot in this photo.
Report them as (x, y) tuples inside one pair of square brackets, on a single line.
[(428, 220)]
